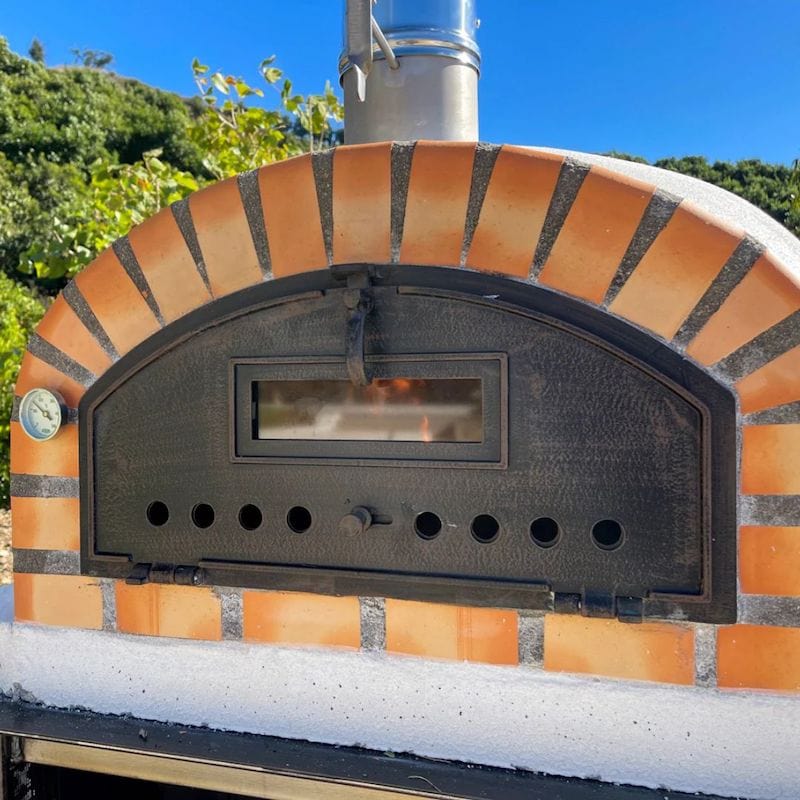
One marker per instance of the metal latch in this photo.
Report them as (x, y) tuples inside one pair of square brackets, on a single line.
[(165, 573), (359, 303)]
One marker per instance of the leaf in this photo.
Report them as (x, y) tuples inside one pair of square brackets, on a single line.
[(219, 83), (272, 75)]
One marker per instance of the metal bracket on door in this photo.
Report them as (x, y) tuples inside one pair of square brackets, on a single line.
[(359, 303)]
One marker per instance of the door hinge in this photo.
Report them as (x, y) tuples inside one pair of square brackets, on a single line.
[(165, 573), (599, 605)]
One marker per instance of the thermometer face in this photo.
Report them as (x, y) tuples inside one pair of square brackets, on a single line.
[(41, 414)]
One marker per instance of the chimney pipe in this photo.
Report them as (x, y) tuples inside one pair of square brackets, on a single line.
[(416, 65)]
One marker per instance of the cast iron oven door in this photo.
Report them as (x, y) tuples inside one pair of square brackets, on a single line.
[(419, 433)]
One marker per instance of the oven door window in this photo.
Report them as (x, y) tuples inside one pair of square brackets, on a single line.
[(448, 409)]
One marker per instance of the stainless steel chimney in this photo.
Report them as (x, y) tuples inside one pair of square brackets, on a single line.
[(410, 70)]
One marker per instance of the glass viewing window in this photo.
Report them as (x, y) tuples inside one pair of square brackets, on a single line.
[(389, 409)]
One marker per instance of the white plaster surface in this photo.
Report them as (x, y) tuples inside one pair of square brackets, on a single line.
[(681, 738), (725, 205), (7, 602)]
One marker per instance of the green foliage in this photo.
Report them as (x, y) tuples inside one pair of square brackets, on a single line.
[(55, 124), (36, 51), (20, 311), (236, 136), (97, 59), (117, 198)]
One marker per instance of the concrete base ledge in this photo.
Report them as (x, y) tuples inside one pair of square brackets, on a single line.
[(681, 738)]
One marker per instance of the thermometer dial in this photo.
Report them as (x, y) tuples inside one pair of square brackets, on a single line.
[(41, 413)]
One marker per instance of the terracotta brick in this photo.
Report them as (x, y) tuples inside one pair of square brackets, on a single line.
[(34, 373), (116, 302), (168, 266), (676, 271), (436, 207), (224, 237), (183, 612), (455, 632), (57, 456), (362, 196), (304, 619), (596, 234), (769, 561), (70, 601), (758, 657), (770, 459), (46, 523), (62, 328), (291, 216), (776, 383), (652, 651), (514, 210), (765, 296)]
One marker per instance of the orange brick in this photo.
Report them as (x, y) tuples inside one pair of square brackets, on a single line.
[(224, 237), (596, 234), (758, 657), (436, 207), (291, 217), (168, 266), (184, 612), (776, 383), (46, 523), (770, 459), (57, 456), (514, 210), (765, 296), (299, 618), (62, 328), (116, 302), (362, 196), (34, 373), (652, 651), (769, 561), (676, 271), (69, 601), (454, 632)]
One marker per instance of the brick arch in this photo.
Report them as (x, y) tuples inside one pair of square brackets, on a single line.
[(710, 291)]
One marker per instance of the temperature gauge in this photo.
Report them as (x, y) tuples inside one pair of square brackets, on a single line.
[(41, 413)]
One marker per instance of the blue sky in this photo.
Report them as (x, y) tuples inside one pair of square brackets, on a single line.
[(719, 78)]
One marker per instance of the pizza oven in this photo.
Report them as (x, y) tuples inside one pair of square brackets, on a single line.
[(410, 432), (409, 444)]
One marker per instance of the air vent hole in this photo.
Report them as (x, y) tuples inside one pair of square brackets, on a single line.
[(203, 515), (427, 525), (299, 519), (607, 534), (485, 528), (250, 517), (545, 531), (157, 513)]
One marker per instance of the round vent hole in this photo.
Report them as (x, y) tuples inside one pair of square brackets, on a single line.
[(299, 519), (203, 515), (607, 534), (545, 531), (485, 528), (250, 517), (157, 513), (427, 525)]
